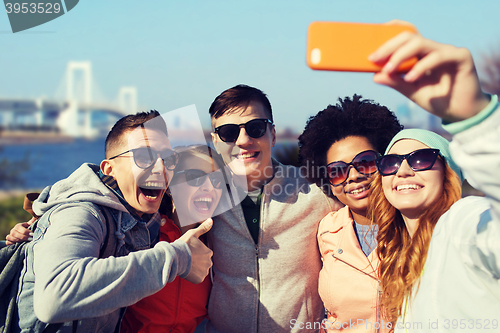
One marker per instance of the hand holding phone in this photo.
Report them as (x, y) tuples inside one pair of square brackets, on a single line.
[(342, 46)]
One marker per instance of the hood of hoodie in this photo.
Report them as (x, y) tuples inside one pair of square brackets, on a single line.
[(84, 184)]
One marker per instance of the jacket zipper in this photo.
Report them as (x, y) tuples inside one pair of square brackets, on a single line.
[(257, 258), (348, 264), (379, 291), (258, 286)]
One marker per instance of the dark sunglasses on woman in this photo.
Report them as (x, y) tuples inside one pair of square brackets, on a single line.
[(364, 163), (196, 177), (255, 128), (418, 160), (145, 157)]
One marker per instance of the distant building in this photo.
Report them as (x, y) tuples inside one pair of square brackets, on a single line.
[(287, 134), (412, 116), (30, 114)]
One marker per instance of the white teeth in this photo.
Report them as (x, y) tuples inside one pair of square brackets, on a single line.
[(246, 155), (408, 187), (205, 199), (153, 185), (358, 190), (151, 197)]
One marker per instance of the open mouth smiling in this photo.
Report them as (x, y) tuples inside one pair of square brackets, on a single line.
[(152, 190), (203, 203)]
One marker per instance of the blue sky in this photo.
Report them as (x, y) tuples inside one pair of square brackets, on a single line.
[(179, 53)]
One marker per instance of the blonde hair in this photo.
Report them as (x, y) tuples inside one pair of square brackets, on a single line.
[(402, 257)]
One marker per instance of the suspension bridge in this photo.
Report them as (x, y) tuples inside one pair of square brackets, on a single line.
[(77, 114)]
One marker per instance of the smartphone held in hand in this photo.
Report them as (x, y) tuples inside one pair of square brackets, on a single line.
[(343, 46)]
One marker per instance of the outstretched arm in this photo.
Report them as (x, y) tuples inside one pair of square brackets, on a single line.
[(444, 81), (72, 282)]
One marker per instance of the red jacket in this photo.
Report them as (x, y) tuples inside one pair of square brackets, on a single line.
[(179, 307)]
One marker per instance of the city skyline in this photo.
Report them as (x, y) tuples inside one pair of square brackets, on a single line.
[(183, 53)]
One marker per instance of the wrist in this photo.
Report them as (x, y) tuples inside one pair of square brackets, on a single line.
[(459, 126), (482, 103)]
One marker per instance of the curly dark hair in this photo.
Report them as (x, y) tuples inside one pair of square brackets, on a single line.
[(349, 117)]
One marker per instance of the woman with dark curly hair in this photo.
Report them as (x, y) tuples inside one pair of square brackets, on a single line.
[(339, 147)]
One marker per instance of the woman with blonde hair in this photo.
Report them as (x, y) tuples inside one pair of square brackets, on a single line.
[(425, 188)]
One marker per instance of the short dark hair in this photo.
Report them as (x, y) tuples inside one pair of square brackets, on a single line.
[(239, 96), (349, 117), (131, 122)]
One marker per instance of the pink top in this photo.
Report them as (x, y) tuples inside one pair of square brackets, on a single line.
[(348, 283)]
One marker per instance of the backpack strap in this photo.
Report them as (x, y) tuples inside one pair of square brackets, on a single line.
[(107, 249)]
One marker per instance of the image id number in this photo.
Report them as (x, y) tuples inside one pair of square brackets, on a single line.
[(32, 7), (471, 324)]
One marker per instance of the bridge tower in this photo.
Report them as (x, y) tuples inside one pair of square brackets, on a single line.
[(76, 120), (86, 68), (77, 95), (127, 99)]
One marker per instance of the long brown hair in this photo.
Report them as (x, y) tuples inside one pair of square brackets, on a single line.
[(402, 257)]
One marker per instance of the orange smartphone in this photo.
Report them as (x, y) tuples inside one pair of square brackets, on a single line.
[(343, 46)]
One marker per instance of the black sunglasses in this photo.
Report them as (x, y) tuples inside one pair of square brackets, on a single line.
[(196, 177), (255, 129), (145, 157), (364, 163), (418, 160)]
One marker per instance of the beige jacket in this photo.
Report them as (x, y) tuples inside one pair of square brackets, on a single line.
[(348, 283)]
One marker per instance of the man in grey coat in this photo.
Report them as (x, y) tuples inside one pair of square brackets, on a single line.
[(67, 278), (266, 259)]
